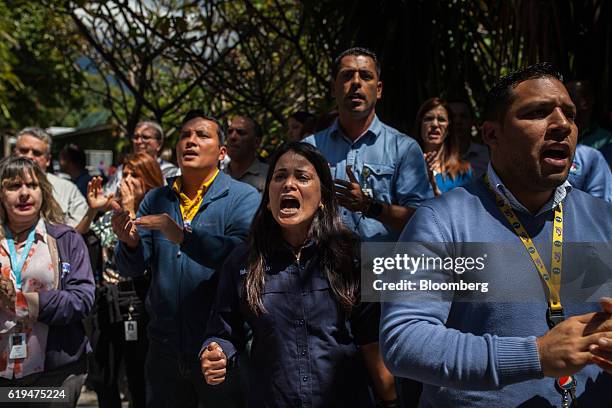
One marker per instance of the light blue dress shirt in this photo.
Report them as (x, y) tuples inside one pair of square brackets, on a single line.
[(590, 173), (389, 166)]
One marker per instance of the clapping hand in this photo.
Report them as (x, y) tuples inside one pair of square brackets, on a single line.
[(132, 192), (431, 161), (602, 350), (163, 223), (349, 193), (124, 227), (8, 295), (95, 196), (214, 364)]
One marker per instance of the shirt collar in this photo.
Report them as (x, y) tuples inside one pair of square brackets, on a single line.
[(255, 168), (374, 128), (557, 198), (177, 185)]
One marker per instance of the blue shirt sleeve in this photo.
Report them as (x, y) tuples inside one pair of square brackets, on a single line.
[(212, 250), (598, 180), (415, 342), (412, 186), (226, 325)]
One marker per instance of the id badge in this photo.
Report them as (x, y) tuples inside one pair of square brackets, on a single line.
[(131, 330), (18, 346)]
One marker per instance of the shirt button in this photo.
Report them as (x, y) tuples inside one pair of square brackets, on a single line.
[(300, 322), (304, 352), (305, 378)]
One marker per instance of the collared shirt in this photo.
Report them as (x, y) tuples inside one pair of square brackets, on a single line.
[(590, 173), (255, 175), (73, 204), (478, 157), (189, 207), (388, 164), (304, 351), (37, 275), (558, 197)]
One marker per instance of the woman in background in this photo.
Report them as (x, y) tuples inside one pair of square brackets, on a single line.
[(441, 149)]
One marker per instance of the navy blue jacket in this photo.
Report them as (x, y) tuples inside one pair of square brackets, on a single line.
[(183, 281), (305, 348)]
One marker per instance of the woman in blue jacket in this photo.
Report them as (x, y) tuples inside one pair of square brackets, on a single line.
[(296, 284), (46, 286)]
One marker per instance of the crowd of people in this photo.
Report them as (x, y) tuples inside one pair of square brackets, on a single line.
[(228, 281)]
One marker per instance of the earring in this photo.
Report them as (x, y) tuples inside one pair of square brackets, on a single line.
[(321, 206)]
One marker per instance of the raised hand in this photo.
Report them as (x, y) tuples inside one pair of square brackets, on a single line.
[(132, 193), (432, 166), (124, 227), (214, 364), (95, 195), (349, 193)]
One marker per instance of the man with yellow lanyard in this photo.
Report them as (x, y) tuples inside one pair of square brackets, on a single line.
[(183, 232), (542, 351)]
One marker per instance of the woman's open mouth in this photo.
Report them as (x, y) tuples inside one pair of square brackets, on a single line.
[(289, 206)]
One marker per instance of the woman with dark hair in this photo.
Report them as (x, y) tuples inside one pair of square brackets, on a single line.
[(296, 284), (441, 147), (46, 285), (120, 318)]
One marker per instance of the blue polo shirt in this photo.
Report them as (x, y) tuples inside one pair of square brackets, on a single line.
[(386, 162), (590, 173)]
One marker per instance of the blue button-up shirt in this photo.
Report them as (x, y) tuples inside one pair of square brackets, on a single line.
[(388, 164), (304, 351), (590, 173)]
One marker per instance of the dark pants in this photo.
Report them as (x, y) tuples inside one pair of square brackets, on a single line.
[(408, 392), (71, 377), (174, 382), (111, 351)]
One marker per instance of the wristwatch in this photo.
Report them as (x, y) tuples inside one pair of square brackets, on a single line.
[(374, 209)]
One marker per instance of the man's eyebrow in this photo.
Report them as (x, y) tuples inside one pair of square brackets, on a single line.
[(543, 103)]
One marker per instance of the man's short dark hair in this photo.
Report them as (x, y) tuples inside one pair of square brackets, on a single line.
[(74, 154), (199, 113), (500, 95), (257, 129), (356, 51)]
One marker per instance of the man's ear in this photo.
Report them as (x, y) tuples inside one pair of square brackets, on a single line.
[(222, 152), (491, 132), (379, 88)]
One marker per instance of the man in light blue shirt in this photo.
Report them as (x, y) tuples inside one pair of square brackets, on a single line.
[(590, 173), (380, 173)]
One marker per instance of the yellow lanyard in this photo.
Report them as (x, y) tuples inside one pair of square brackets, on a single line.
[(553, 282)]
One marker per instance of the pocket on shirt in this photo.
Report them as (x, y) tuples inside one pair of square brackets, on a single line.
[(379, 179)]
